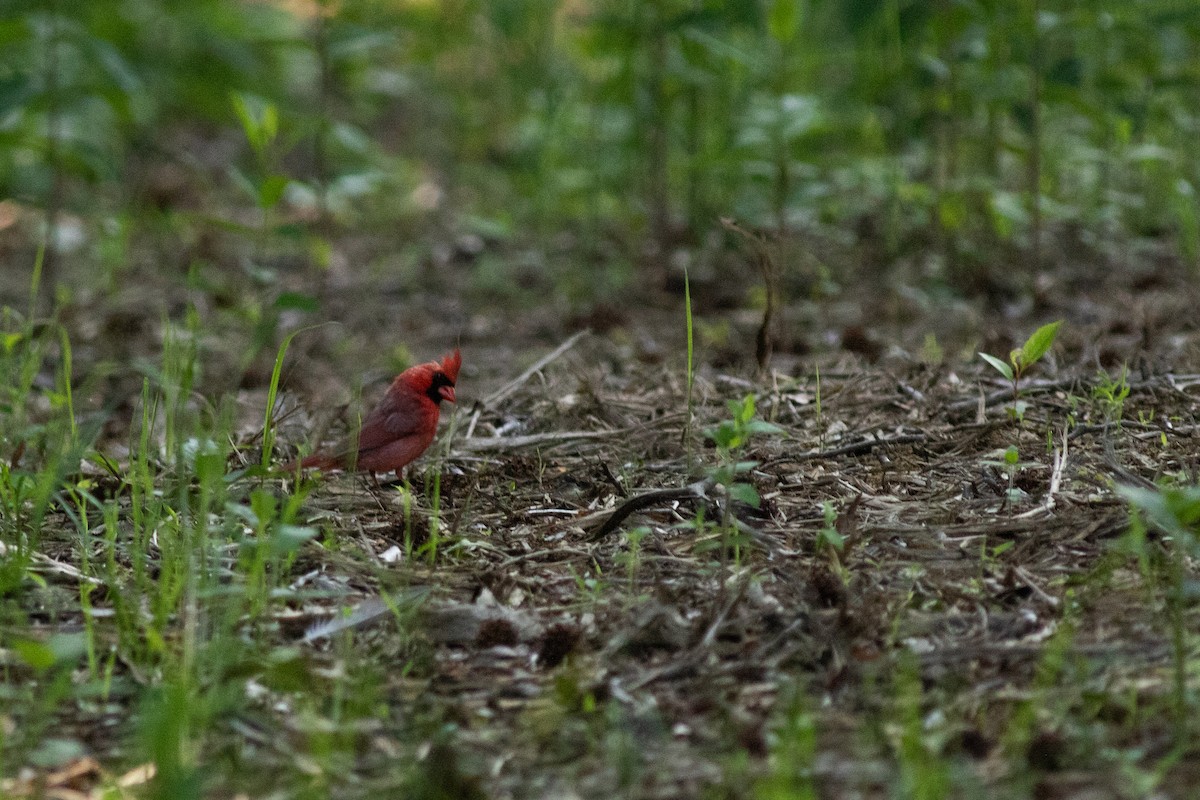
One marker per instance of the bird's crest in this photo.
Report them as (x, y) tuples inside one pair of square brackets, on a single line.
[(450, 365)]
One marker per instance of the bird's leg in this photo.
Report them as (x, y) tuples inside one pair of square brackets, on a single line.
[(397, 480)]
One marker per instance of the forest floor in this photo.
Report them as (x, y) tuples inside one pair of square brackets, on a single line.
[(934, 598)]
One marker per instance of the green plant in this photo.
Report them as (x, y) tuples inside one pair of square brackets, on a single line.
[(631, 557), (1021, 359), (793, 754), (1174, 511), (590, 586), (1110, 394), (830, 541), (1009, 462), (730, 436), (1045, 708), (924, 774), (259, 118), (430, 548)]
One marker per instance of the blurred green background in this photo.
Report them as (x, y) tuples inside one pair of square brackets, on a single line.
[(958, 138)]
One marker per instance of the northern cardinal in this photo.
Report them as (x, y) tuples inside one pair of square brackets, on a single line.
[(402, 426)]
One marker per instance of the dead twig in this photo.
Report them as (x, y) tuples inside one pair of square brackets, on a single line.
[(693, 491), (551, 438), (855, 448), (506, 391), (1028, 580), (761, 255)]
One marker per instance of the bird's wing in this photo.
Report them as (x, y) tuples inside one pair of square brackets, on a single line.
[(397, 416)]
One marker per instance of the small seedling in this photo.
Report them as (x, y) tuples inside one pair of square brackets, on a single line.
[(1021, 359), (831, 541), (1009, 462), (631, 559), (829, 536), (730, 437), (1110, 394)]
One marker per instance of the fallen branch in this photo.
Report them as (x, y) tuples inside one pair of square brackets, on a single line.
[(864, 446)]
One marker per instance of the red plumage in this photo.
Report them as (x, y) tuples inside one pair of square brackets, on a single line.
[(401, 427)]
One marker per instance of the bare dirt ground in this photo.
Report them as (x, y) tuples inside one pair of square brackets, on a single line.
[(986, 611), (999, 587)]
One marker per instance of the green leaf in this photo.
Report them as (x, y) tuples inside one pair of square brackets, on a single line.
[(1173, 510), (15, 92), (742, 410), (726, 435), (1003, 368), (296, 301), (259, 119), (1038, 344), (263, 506), (287, 672), (289, 538), (746, 493), (832, 537), (61, 648), (759, 426), (272, 392), (271, 190), (36, 654)]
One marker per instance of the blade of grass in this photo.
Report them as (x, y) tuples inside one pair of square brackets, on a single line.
[(691, 374), (273, 392)]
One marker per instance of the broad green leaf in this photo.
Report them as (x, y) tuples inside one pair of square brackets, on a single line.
[(723, 474), (759, 426), (36, 654), (263, 505), (1002, 367), (1038, 344), (259, 119), (15, 91)]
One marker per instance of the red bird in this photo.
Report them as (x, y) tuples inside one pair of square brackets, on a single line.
[(402, 426)]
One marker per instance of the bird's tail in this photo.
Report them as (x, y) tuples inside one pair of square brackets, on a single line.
[(315, 461)]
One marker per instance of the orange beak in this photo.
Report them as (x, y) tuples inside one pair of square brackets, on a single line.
[(447, 393)]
